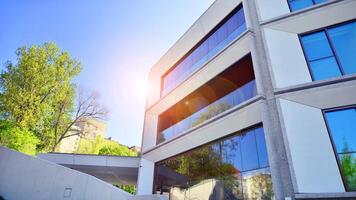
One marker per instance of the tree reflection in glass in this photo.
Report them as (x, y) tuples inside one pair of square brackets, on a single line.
[(214, 171), (342, 128), (348, 168)]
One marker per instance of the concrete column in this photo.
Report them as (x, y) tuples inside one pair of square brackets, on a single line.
[(145, 177), (279, 166)]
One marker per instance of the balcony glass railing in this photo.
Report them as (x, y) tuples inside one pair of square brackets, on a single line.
[(232, 99), (226, 33)]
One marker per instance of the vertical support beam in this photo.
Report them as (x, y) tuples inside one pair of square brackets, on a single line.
[(145, 177), (279, 166)]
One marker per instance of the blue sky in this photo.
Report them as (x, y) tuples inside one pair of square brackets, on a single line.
[(117, 41)]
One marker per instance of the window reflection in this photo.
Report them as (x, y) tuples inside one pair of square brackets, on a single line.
[(218, 171), (330, 52), (209, 47), (342, 127), (228, 89), (344, 41), (301, 4)]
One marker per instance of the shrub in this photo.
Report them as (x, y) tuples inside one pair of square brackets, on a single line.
[(17, 138)]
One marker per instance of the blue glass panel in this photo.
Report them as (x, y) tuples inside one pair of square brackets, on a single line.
[(342, 125), (249, 151), (316, 46), (348, 169), (325, 68), (190, 175), (320, 1), (344, 40), (261, 147), (231, 152), (232, 24), (228, 31), (300, 4)]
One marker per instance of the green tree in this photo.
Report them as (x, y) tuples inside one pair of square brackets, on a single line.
[(17, 138), (86, 107), (90, 146), (101, 146), (116, 150), (34, 88)]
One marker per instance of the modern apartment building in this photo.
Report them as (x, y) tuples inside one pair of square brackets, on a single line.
[(257, 100)]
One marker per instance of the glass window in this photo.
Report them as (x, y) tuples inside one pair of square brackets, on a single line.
[(232, 152), (330, 52), (319, 1), (344, 41), (324, 68), (214, 171), (249, 153), (230, 88), (301, 4), (222, 36), (342, 127), (261, 147), (317, 46)]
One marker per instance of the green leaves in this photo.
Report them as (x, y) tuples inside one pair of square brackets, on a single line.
[(101, 146), (17, 138), (33, 90)]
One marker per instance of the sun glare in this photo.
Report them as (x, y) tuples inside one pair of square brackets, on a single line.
[(142, 88)]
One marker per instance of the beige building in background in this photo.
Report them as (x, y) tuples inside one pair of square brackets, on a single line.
[(89, 128)]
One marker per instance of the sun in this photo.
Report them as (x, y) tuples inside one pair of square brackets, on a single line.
[(143, 88)]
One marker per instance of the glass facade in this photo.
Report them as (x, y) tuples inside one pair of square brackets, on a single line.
[(232, 168), (231, 87), (301, 4), (342, 129), (330, 51), (209, 47), (232, 99)]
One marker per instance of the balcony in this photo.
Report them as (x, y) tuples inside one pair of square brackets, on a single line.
[(227, 90), (220, 37)]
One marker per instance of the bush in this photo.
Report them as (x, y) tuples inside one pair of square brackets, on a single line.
[(17, 138), (128, 188), (101, 146), (116, 150)]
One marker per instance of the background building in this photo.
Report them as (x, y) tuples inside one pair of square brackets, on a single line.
[(257, 101), (88, 128)]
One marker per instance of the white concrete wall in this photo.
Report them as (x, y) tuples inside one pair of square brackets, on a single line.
[(285, 54), (271, 9), (311, 156), (321, 15), (214, 128), (149, 135), (145, 177), (26, 177), (327, 96), (288, 63)]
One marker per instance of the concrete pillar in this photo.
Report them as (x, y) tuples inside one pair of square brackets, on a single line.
[(279, 166), (145, 177)]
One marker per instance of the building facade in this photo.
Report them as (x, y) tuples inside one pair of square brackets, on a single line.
[(88, 128), (257, 100)]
